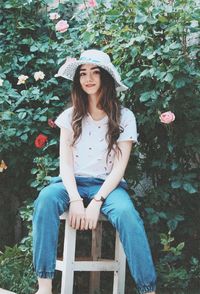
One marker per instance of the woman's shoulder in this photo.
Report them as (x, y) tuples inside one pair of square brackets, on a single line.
[(68, 110), (67, 113), (126, 113), (65, 118)]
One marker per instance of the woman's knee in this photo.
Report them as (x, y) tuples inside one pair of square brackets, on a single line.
[(127, 211), (123, 209), (45, 197), (50, 196)]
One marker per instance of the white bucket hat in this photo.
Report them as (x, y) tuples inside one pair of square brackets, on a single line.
[(101, 59)]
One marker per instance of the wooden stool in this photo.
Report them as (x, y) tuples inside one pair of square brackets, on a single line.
[(68, 265)]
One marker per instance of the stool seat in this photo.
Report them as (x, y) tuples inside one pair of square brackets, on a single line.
[(95, 264)]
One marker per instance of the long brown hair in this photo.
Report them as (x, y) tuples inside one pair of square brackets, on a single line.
[(108, 102)]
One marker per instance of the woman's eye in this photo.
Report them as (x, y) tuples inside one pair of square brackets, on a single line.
[(82, 74), (97, 72)]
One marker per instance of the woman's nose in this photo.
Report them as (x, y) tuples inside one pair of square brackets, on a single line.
[(89, 77)]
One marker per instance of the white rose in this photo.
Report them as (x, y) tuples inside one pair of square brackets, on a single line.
[(39, 75), (22, 79)]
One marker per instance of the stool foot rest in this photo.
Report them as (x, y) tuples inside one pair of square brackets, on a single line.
[(90, 266)]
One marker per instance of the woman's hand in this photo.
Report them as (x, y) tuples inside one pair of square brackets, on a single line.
[(77, 215), (92, 214)]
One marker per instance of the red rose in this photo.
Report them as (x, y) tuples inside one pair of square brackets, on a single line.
[(51, 123), (40, 141)]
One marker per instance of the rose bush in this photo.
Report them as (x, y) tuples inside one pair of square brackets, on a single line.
[(151, 44)]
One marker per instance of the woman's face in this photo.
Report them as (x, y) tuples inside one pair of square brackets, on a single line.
[(90, 78)]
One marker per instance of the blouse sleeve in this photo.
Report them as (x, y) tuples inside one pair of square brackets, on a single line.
[(128, 123), (64, 119)]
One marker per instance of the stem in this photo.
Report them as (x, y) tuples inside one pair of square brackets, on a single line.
[(86, 8)]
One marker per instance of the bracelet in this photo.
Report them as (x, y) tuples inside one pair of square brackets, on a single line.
[(74, 200)]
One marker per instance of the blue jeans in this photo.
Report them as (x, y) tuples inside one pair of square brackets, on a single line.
[(53, 200)]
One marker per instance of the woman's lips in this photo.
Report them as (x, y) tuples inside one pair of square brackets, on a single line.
[(90, 85)]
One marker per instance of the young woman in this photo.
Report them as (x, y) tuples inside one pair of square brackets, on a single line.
[(96, 137)]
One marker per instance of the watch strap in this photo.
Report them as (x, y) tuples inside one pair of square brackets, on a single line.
[(101, 199)]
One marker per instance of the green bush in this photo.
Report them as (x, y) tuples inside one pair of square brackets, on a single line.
[(153, 47)]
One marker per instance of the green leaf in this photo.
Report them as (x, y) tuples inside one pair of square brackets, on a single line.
[(180, 246), (144, 73), (189, 188), (162, 215), (174, 166), (34, 171), (22, 115), (172, 224), (162, 19), (140, 38), (176, 184), (148, 95), (170, 147), (11, 132), (24, 137), (179, 217), (168, 78), (140, 18), (8, 6), (180, 83), (33, 48), (6, 115), (151, 56), (149, 210), (129, 73), (154, 219)]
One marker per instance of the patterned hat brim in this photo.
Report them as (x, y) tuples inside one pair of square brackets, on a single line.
[(68, 69)]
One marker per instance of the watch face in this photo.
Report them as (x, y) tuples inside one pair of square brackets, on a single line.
[(98, 198)]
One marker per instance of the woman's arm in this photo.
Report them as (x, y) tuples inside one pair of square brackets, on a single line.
[(111, 182), (76, 209), (118, 170), (67, 164)]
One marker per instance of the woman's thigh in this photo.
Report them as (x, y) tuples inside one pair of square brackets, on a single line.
[(118, 205), (55, 195)]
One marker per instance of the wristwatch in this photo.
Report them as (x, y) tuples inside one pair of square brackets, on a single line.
[(99, 198)]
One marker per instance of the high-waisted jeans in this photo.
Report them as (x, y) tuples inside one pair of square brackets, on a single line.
[(53, 200)]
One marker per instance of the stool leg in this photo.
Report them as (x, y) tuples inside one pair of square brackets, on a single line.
[(68, 259), (119, 276), (96, 254)]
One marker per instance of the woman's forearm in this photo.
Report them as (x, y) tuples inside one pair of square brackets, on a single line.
[(67, 164), (118, 170), (111, 182), (68, 179)]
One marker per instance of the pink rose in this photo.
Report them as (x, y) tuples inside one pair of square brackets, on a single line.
[(167, 117), (62, 26), (92, 3)]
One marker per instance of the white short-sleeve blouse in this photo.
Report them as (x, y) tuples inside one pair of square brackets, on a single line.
[(90, 151)]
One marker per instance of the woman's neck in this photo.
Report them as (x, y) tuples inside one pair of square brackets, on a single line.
[(94, 111)]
